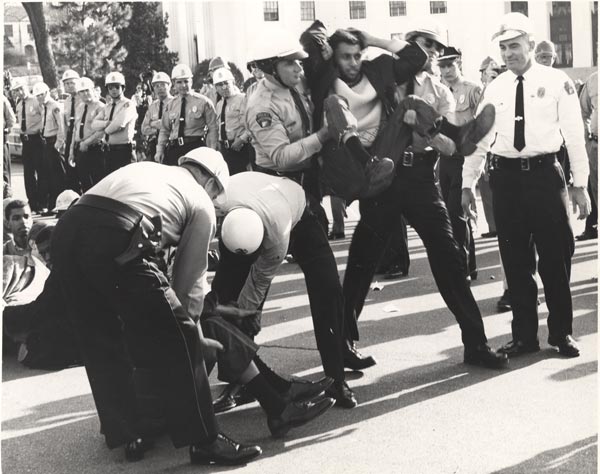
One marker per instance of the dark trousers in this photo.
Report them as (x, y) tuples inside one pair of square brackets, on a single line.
[(55, 171), (237, 161), (451, 184), (414, 195), (117, 156), (531, 214), (396, 250), (126, 316), (36, 181), (174, 152), (338, 212), (6, 173), (90, 166)]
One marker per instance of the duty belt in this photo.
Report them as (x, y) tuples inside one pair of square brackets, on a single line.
[(593, 137), (521, 164), (410, 158), (297, 176), (25, 137), (119, 146), (185, 140)]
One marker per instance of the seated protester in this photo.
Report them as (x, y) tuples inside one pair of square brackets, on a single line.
[(19, 221)]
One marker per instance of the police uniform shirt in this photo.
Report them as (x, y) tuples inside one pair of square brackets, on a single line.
[(552, 113), (121, 128), (188, 219), (467, 95), (34, 115), (66, 117), (589, 103), (280, 203), (199, 115), (235, 124), (9, 115), (280, 141), (53, 120), (93, 109), (152, 123)]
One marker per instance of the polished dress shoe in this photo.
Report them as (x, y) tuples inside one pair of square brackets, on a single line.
[(489, 235), (395, 271), (587, 234), (566, 345), (297, 414), (233, 395), (301, 389), (344, 397), (134, 450), (486, 357), (503, 303), (223, 451), (515, 347), (354, 360), (336, 235)]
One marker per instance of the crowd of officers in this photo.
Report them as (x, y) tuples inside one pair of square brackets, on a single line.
[(270, 138)]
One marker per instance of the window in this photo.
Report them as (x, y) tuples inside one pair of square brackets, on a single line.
[(397, 8), (520, 7), (307, 11), (358, 10), (29, 30), (271, 11), (437, 7), (8, 30), (561, 33)]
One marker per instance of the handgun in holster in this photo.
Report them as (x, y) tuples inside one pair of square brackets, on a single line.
[(145, 240)]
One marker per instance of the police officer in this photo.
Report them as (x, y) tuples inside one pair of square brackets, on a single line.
[(536, 106), (545, 53), (9, 121), (233, 136), (29, 119), (53, 162), (117, 122), (466, 95), (161, 82), (123, 309), (64, 140), (186, 120), (86, 147), (279, 117)]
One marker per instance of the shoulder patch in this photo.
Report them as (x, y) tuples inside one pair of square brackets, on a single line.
[(126, 104), (569, 88), (264, 119)]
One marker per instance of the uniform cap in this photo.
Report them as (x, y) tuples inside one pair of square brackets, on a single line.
[(69, 74), (429, 30), (217, 63), (114, 78), (40, 88), (161, 77), (181, 71), (85, 83), (211, 161), (545, 47), (16, 83), (222, 75), (242, 231), (450, 52), (276, 44), (486, 62), (512, 26), (65, 199)]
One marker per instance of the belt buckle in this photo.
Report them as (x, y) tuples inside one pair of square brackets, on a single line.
[(180, 141), (524, 164), (24, 137), (408, 159)]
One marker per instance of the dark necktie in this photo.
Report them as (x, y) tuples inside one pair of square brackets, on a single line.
[(223, 131), (82, 123), (110, 117), (45, 115), (303, 113), (519, 116), (23, 119), (72, 116), (181, 119), (160, 110)]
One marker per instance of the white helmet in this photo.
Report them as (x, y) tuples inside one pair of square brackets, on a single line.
[(65, 199), (40, 88), (181, 71), (217, 63), (69, 74), (16, 83), (277, 44), (242, 231), (211, 161), (84, 84), (161, 77), (115, 78), (222, 75)]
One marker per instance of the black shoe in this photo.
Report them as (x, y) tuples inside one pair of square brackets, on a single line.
[(566, 345), (301, 389), (474, 274), (503, 303), (134, 450), (223, 451), (588, 234), (344, 397), (486, 357), (395, 271), (233, 395), (336, 235), (354, 360), (489, 235), (298, 413), (515, 348)]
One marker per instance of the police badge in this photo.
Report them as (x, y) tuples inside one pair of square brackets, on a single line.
[(569, 88), (264, 119), (541, 92)]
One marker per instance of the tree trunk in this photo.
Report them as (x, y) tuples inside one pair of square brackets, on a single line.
[(35, 11)]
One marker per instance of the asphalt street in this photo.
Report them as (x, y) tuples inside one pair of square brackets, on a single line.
[(421, 410)]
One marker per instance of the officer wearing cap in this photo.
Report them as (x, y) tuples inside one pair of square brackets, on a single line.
[(279, 118), (123, 309), (545, 53), (86, 147), (117, 122), (536, 106), (189, 120), (29, 120), (161, 83), (53, 162), (233, 136), (209, 89), (467, 95), (69, 79)]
